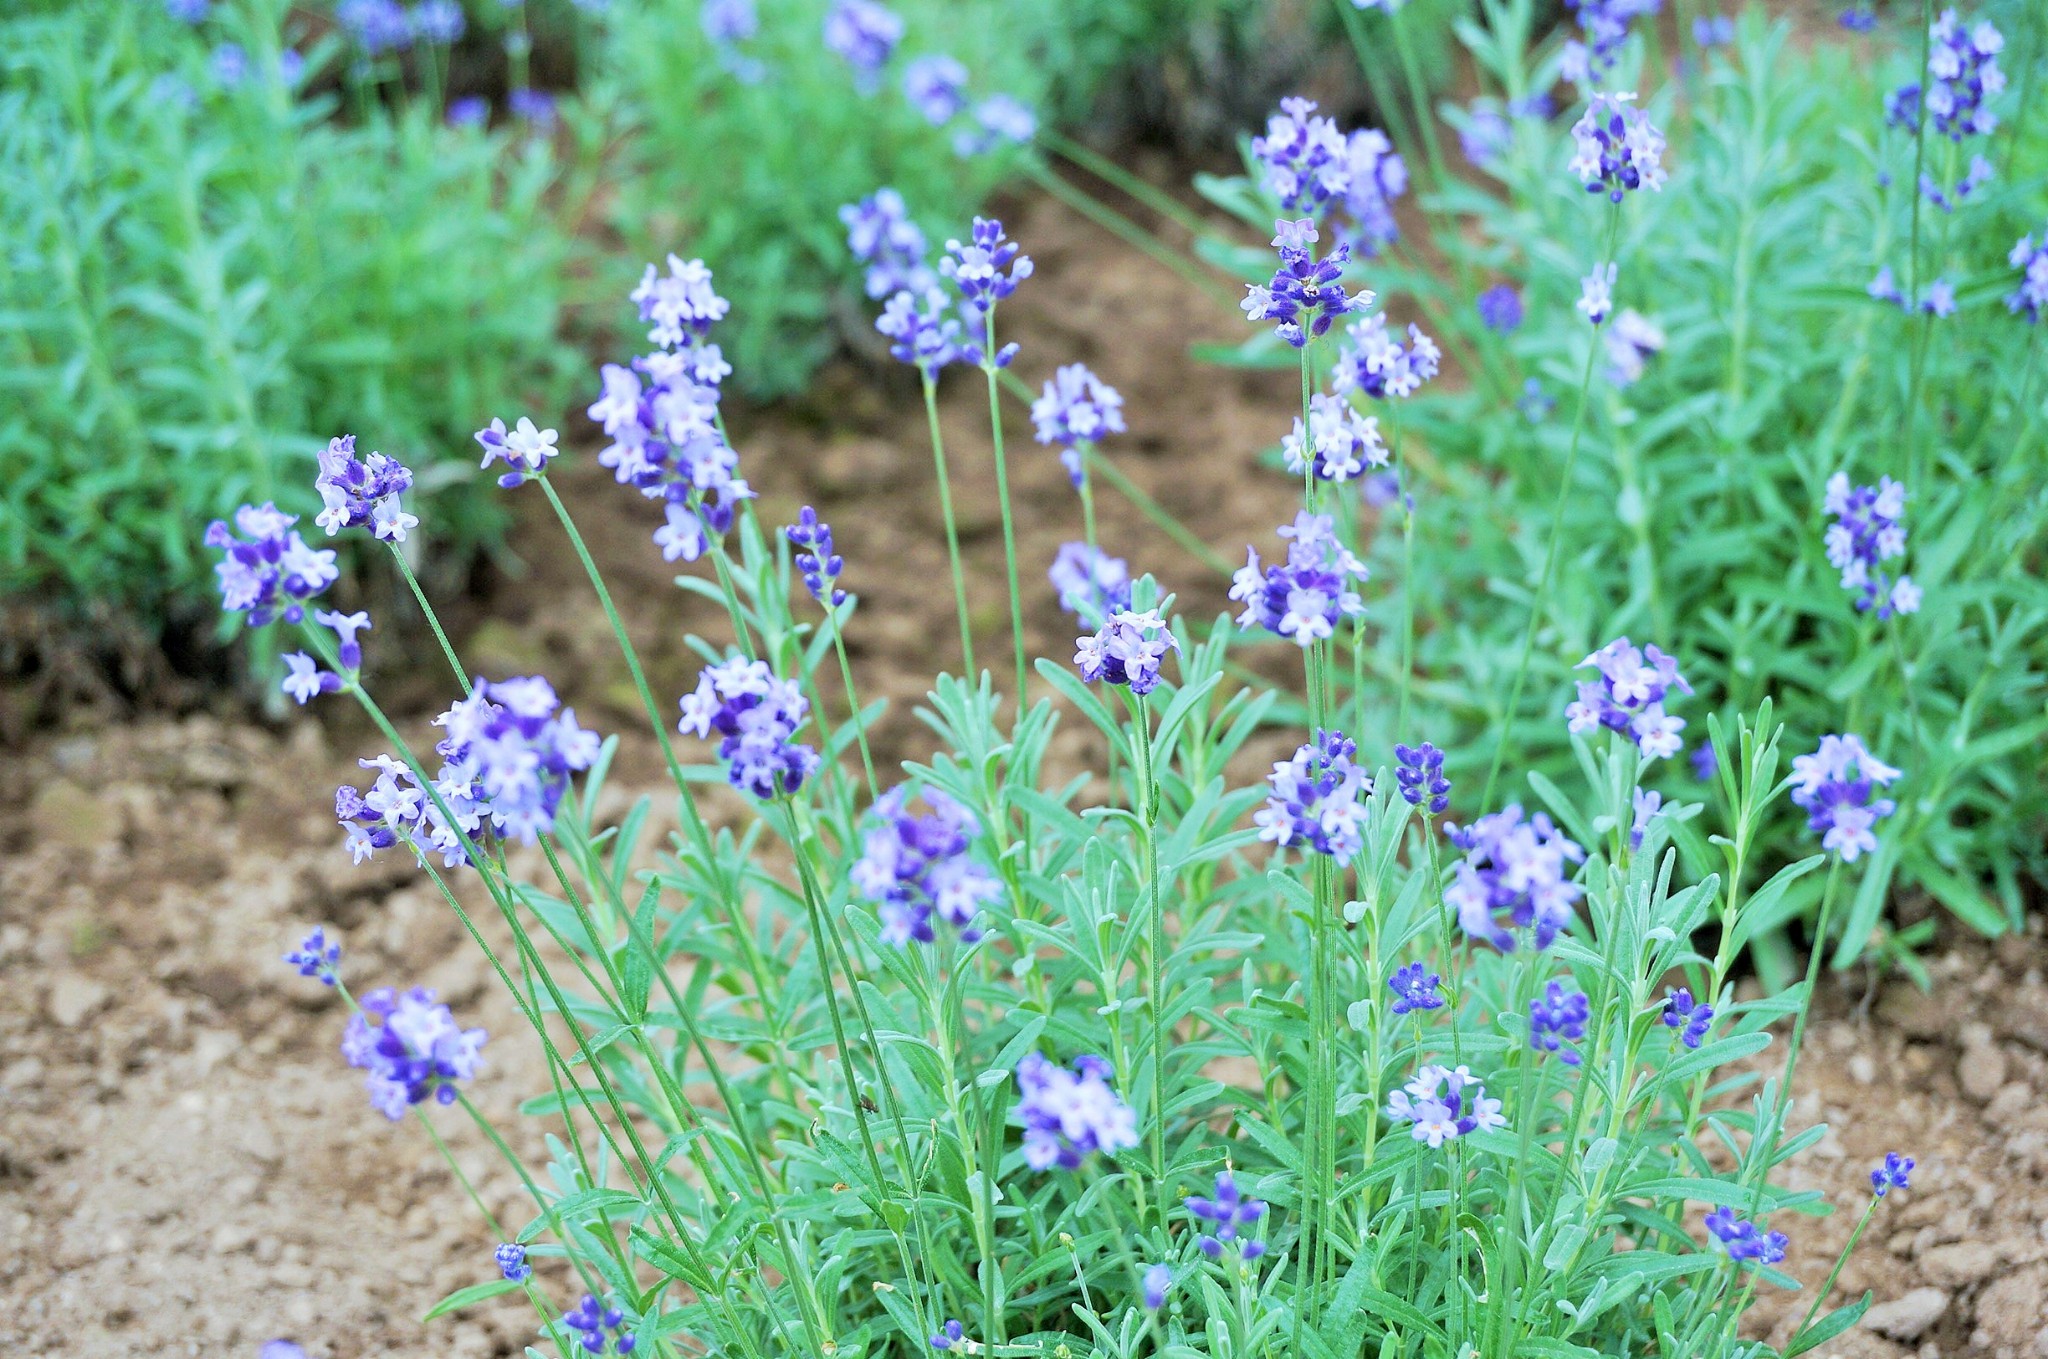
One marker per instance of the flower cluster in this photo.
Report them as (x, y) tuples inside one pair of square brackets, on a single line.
[(524, 449), (727, 24), (1939, 298), (864, 34), (268, 572), (412, 1048), (1644, 806), (359, 492), (1858, 19), (1305, 597), (591, 1320), (1976, 177), (1631, 343), (1380, 366), (1557, 1018), (1076, 408), (916, 864), (1892, 1174), (1962, 77), (1603, 24), (2030, 299), (880, 235), (1516, 874), (1500, 308), (1338, 442), (1415, 987), (1308, 165), (1069, 1115), (926, 336), (1629, 696), (520, 749), (936, 86), (815, 559), (1129, 649), (756, 716), (1618, 150), (316, 957), (1226, 1211), (1486, 135), (1419, 770), (661, 413), (1378, 177), (1306, 295), (1318, 799), (950, 1335), (1835, 785), (1869, 530), (304, 679), (511, 1259), (1444, 1103), (1159, 1280), (977, 268), (376, 26), (1092, 584), (1596, 292), (1744, 1239), (1692, 1017)]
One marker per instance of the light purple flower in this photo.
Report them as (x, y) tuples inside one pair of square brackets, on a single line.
[(1318, 799), (914, 865), (880, 235), (268, 572), (999, 120), (1442, 1104), (1308, 595), (1835, 785), (756, 717), (307, 678), (1129, 650), (864, 34), (1375, 363), (1617, 148), (362, 492), (1516, 875), (1869, 530), (1069, 1115), (1629, 697), (936, 86), (1338, 441), (1076, 408), (412, 1048), (1092, 584)]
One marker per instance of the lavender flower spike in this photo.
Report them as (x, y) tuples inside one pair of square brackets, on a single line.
[(1443, 1104), (1069, 1115), (978, 267), (524, 449), (362, 492), (1129, 650), (1516, 875), (815, 558), (1892, 1174), (1835, 785), (756, 716), (1629, 697), (1306, 296), (1318, 799), (1618, 150), (1076, 408), (412, 1048)]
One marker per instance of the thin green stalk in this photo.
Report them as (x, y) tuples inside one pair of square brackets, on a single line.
[(1407, 584), (1148, 814), (995, 420), (860, 727), (931, 410), (433, 619)]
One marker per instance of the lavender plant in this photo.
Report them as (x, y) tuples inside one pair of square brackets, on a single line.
[(1018, 1057)]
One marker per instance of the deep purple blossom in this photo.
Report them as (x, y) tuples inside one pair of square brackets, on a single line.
[(914, 865), (950, 1335), (362, 492), (936, 86), (1645, 806), (1629, 697), (1516, 875), (471, 110), (1500, 308), (1415, 987), (1745, 1240), (316, 957), (1076, 408), (815, 559), (1962, 77), (591, 1321), (1069, 1115), (1691, 1017), (1228, 1214), (1306, 295), (1158, 1281), (1305, 597), (2030, 299), (1419, 770), (1892, 1174), (1318, 799), (1128, 650), (864, 34), (880, 235), (1092, 584), (511, 1258), (1836, 785), (524, 449), (268, 572), (922, 329), (306, 679), (412, 1048), (986, 269), (1442, 1104), (1617, 148), (1557, 1019), (1870, 530), (756, 716), (1339, 441), (1375, 363)]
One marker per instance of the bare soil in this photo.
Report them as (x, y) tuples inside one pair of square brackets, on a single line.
[(187, 1166)]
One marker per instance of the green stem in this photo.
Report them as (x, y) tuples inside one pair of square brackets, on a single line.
[(995, 420), (433, 620), (931, 410)]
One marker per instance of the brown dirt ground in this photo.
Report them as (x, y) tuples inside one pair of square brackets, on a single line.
[(186, 1166)]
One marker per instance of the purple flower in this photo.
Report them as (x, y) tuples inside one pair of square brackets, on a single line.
[(189, 11), (1631, 343), (524, 449), (999, 120), (377, 26), (1092, 584), (1705, 763), (1940, 299), (511, 1258), (1604, 26), (1376, 364), (1869, 530), (591, 1320), (2030, 299), (1075, 408), (1305, 597), (1948, 200), (756, 716), (914, 865), (1596, 292), (1158, 1279), (1069, 1115), (1645, 806), (1962, 78), (1376, 178), (978, 268), (1617, 148), (1500, 308), (936, 86), (1419, 770), (1629, 695), (727, 24), (1692, 1017), (345, 625), (1129, 650), (683, 305), (1486, 136), (1306, 295), (1892, 1174), (1835, 785), (880, 235), (1442, 1104), (268, 572), (281, 1349), (1415, 988), (1516, 874), (927, 337), (1557, 1018), (1318, 799), (817, 561), (1713, 30), (1226, 1212), (412, 1048), (229, 64), (1858, 19), (1304, 161), (1339, 442), (1745, 1240), (362, 492), (864, 34), (316, 957), (440, 22), (307, 678), (520, 748), (949, 1335), (471, 110)]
